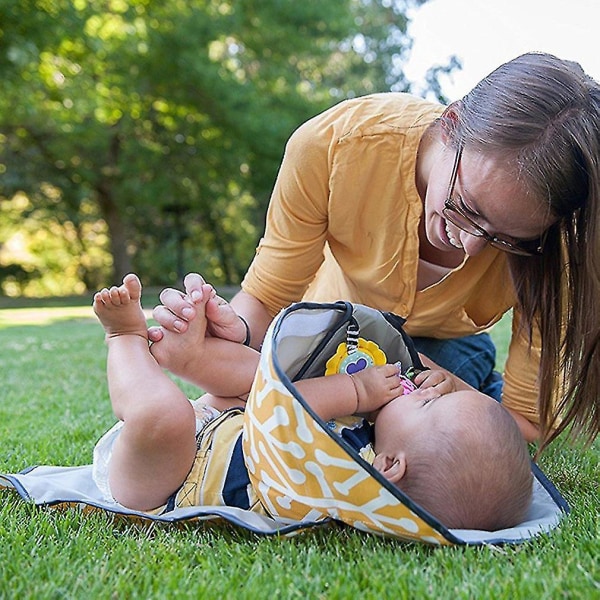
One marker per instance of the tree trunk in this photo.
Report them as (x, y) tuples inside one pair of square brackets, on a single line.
[(110, 210), (116, 231)]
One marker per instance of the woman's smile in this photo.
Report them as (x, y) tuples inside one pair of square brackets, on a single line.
[(452, 240)]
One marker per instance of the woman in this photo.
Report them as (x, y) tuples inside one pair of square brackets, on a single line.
[(448, 218)]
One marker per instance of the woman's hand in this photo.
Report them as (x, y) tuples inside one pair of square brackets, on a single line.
[(178, 309)]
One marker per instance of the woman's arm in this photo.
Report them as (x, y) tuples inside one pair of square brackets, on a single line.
[(256, 315), (529, 430)]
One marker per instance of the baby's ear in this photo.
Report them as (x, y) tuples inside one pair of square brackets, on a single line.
[(393, 467)]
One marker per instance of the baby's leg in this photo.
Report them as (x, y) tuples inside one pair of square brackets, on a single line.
[(216, 365), (156, 447), (221, 403)]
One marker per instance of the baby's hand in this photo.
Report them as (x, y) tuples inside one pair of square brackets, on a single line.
[(376, 386), (437, 380)]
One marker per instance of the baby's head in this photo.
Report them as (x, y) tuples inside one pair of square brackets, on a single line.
[(461, 457)]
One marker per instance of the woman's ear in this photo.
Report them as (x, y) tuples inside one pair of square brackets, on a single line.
[(392, 468), (449, 122)]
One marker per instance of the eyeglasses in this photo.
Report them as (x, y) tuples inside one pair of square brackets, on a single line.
[(457, 216)]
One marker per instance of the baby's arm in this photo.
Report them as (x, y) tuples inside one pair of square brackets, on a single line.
[(341, 395)]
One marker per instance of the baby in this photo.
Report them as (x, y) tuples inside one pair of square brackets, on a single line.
[(459, 454)]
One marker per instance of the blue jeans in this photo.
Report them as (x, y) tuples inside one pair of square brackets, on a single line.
[(472, 358)]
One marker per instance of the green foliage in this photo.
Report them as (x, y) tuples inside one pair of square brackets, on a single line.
[(55, 406), (152, 131), (50, 254)]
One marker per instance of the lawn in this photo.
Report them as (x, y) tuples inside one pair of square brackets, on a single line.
[(53, 408)]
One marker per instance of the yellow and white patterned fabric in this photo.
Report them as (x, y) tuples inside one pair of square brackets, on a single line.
[(299, 468)]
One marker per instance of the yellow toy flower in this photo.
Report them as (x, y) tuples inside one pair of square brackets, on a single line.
[(366, 354)]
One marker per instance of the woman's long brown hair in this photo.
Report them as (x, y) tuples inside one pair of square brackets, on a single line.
[(540, 117)]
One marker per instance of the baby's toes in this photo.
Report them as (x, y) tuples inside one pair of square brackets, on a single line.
[(124, 297), (114, 295), (105, 296)]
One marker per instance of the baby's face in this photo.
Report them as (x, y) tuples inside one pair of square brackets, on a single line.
[(410, 417)]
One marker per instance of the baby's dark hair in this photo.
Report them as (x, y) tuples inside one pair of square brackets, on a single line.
[(472, 473)]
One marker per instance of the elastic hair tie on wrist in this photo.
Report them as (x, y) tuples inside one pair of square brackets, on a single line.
[(246, 341)]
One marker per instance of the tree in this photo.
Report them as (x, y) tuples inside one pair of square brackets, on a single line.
[(167, 119)]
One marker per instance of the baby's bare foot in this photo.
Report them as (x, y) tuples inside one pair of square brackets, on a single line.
[(119, 308)]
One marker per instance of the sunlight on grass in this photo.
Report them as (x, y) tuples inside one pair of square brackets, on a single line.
[(43, 316), (47, 315)]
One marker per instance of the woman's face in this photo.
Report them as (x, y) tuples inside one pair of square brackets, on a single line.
[(493, 198)]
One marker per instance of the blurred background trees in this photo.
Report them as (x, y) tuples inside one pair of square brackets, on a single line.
[(146, 134)]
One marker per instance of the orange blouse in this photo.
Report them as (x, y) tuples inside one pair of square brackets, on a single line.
[(343, 224)]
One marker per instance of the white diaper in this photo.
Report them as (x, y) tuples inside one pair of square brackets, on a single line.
[(104, 448)]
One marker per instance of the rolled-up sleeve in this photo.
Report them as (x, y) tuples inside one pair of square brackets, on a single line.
[(291, 251)]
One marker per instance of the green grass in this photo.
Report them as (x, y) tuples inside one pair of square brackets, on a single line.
[(54, 406)]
